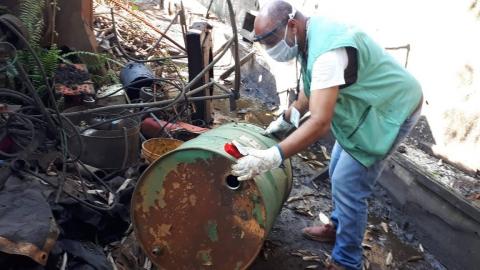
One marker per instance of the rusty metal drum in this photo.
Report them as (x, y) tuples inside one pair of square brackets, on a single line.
[(189, 212)]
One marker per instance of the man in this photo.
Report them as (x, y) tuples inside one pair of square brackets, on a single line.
[(351, 87)]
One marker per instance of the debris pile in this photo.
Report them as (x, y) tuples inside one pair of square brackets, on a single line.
[(74, 141)]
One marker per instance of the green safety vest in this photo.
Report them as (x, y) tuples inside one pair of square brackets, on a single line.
[(368, 113)]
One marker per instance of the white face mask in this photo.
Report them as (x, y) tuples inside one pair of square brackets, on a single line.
[(282, 52)]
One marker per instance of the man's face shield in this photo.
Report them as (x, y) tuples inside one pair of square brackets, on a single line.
[(270, 38)]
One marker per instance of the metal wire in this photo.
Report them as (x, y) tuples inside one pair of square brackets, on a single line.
[(84, 202)]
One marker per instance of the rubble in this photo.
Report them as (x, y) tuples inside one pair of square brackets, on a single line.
[(70, 154)]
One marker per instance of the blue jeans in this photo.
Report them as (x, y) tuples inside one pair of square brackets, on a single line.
[(352, 184)]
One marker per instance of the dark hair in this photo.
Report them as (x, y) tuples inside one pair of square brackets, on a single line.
[(279, 11)]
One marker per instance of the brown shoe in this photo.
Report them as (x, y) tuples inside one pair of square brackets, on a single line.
[(333, 266), (324, 233)]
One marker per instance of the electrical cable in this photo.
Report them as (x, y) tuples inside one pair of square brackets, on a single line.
[(12, 63), (17, 95), (81, 201), (47, 85)]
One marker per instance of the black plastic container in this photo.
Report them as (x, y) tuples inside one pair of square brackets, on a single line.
[(134, 72)]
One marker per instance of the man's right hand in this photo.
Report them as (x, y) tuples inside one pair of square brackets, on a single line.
[(278, 126)]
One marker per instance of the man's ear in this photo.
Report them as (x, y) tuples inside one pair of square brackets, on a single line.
[(293, 24)]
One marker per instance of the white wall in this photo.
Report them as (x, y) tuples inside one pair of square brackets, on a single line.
[(445, 57)]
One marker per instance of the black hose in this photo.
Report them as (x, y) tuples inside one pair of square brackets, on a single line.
[(15, 94)]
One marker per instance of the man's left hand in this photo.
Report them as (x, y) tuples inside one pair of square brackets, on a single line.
[(255, 161)]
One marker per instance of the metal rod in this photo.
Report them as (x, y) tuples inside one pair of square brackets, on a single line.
[(236, 53), (142, 105), (231, 69), (199, 89), (406, 47), (221, 48), (208, 9), (223, 88), (183, 22), (125, 153), (122, 6), (161, 37), (210, 97)]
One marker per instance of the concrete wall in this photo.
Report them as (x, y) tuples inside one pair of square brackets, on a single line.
[(444, 57), (446, 224)]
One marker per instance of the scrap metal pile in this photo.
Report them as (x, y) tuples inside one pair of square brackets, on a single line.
[(71, 151)]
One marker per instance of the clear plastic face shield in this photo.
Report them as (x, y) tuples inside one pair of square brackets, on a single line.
[(279, 50)]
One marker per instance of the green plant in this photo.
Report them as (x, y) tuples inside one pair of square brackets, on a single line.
[(31, 15)]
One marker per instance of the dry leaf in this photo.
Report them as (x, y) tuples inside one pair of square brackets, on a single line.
[(323, 218), (325, 152), (366, 246), (415, 258), (298, 254), (51, 170), (311, 258), (303, 156), (366, 264), (303, 211), (311, 166), (299, 197), (384, 226), (316, 163), (389, 259), (294, 198)]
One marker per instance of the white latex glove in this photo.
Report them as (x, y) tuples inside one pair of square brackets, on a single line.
[(279, 125), (255, 161)]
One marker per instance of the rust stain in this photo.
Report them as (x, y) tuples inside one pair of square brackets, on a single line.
[(193, 200), (205, 257), (39, 255), (238, 266), (196, 196), (161, 199), (164, 230)]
